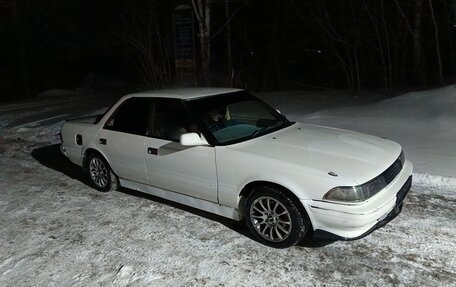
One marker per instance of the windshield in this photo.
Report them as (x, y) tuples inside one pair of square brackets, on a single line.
[(235, 117)]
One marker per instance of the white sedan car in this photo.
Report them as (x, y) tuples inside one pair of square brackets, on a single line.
[(226, 152)]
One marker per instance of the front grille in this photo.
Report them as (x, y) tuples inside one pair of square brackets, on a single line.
[(373, 186), (392, 171), (404, 190)]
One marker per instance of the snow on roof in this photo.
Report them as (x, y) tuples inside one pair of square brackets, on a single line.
[(184, 93)]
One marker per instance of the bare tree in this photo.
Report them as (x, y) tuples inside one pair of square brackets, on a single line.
[(384, 57), (229, 54), (202, 10), (343, 42), (415, 32), (437, 45), (388, 46), (226, 26), (147, 49)]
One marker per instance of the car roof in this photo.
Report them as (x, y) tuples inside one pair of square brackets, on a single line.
[(184, 93)]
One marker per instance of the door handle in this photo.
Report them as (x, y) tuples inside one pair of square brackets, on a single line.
[(152, 150), (102, 141)]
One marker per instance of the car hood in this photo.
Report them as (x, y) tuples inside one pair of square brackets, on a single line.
[(351, 155)]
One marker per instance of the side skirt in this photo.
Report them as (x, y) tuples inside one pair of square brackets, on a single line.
[(205, 205)]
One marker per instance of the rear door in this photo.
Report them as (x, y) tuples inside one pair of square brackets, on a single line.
[(122, 139)]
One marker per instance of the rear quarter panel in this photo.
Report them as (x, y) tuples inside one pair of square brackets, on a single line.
[(69, 131), (88, 131)]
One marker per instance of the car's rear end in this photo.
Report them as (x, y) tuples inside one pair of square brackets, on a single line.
[(75, 135)]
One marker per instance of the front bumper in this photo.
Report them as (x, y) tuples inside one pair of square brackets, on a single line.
[(322, 234), (353, 221)]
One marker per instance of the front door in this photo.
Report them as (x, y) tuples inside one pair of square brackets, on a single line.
[(186, 170), (171, 166)]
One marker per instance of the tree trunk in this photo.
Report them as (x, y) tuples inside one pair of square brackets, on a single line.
[(437, 44), (203, 15), (388, 45), (380, 45), (417, 42), (229, 55), (451, 16)]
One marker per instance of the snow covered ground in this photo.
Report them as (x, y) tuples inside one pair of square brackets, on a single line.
[(56, 230)]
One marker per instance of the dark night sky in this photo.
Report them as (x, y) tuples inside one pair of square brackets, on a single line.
[(352, 44)]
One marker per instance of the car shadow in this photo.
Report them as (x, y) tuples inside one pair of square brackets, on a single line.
[(51, 157), (309, 242), (237, 226)]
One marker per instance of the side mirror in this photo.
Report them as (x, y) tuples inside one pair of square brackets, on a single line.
[(192, 139)]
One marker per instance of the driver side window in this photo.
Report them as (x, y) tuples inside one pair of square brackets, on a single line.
[(168, 120)]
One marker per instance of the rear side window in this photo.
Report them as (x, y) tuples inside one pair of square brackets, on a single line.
[(130, 117)]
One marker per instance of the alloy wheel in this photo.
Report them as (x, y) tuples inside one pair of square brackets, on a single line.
[(98, 172), (271, 219)]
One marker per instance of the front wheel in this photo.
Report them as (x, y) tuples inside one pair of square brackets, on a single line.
[(100, 173), (274, 219)]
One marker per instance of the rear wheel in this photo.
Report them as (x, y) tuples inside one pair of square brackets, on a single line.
[(274, 218), (100, 173)]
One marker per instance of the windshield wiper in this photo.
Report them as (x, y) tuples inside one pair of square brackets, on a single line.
[(255, 133)]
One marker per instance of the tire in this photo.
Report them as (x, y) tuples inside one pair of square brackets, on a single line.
[(274, 219), (100, 174)]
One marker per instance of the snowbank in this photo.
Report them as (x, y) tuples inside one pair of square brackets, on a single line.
[(424, 123)]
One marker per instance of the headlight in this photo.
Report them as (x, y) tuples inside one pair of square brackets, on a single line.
[(368, 189), (345, 193), (356, 193)]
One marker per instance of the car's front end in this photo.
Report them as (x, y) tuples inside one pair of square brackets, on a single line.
[(349, 183), (348, 216)]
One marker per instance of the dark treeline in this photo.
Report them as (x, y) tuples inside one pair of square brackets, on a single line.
[(260, 45)]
